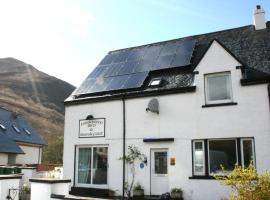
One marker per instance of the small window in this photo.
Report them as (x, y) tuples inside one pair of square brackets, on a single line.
[(27, 131), (11, 159), (3, 127), (155, 82), (161, 162), (198, 157), (16, 129), (218, 88), (247, 148)]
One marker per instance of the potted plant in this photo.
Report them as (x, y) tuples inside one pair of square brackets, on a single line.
[(25, 192), (176, 193), (111, 193), (138, 191)]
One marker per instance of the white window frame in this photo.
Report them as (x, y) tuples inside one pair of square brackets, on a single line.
[(203, 148), (102, 186), (217, 139), (206, 76), (253, 150)]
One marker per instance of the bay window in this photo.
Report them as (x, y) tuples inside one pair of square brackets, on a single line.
[(211, 155)]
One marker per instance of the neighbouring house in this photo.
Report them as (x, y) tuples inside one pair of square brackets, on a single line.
[(20, 144), (189, 104)]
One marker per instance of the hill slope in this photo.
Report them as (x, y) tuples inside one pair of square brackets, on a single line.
[(34, 94)]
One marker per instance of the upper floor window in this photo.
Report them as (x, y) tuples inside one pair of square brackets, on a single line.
[(218, 88)]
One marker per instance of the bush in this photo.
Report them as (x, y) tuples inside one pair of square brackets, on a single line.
[(247, 184)]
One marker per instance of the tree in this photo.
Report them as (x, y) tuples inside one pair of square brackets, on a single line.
[(132, 156), (247, 184), (53, 153)]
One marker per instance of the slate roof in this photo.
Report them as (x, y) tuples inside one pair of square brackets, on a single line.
[(249, 46), (14, 128)]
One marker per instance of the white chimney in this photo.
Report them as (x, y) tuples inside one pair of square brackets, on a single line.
[(259, 18)]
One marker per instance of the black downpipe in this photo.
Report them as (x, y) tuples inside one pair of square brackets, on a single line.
[(124, 147)]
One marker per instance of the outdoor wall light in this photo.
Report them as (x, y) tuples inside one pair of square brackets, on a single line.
[(145, 160), (90, 117)]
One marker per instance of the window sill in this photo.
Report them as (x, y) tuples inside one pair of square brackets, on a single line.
[(219, 104), (202, 177)]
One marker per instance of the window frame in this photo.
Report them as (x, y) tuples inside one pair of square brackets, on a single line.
[(242, 152), (239, 155), (193, 153), (206, 92), (103, 186)]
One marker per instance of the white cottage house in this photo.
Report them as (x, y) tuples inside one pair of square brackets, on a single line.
[(189, 104)]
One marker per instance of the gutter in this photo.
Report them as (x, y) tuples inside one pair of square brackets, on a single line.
[(130, 95)]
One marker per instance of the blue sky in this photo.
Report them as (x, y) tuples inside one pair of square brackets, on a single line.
[(67, 39)]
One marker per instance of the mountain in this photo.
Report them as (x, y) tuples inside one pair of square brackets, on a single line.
[(35, 95)]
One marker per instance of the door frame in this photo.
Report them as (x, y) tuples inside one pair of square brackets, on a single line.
[(76, 184), (151, 150)]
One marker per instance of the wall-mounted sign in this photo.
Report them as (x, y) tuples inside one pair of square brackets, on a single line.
[(172, 161), (92, 128)]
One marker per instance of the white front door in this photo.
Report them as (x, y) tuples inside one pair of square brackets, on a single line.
[(159, 171)]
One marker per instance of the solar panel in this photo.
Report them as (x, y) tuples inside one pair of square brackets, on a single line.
[(129, 68), (135, 80)]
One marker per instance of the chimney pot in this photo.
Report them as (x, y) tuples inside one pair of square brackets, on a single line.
[(259, 18)]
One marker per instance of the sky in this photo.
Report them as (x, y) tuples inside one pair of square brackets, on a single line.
[(68, 38)]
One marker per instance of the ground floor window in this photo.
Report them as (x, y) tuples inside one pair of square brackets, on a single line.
[(210, 154), (92, 165)]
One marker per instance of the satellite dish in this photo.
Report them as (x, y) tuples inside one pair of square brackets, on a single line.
[(153, 106)]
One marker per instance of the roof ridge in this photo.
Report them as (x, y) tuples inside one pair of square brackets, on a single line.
[(182, 38)]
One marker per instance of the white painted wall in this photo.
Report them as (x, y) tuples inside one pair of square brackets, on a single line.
[(183, 118), (5, 185), (43, 191), (3, 159), (32, 155)]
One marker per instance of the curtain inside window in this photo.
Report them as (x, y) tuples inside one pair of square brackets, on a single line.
[(84, 166)]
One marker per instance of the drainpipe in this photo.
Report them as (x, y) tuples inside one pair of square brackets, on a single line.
[(124, 147)]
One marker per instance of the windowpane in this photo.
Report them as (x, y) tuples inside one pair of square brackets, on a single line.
[(100, 162), (218, 87), (222, 152), (247, 152), (161, 163), (198, 158), (84, 166)]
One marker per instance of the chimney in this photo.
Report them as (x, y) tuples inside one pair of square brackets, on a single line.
[(259, 18)]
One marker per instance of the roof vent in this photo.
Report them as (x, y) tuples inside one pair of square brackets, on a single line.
[(153, 106), (259, 18)]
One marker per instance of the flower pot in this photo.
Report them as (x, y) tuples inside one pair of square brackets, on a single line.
[(176, 195), (24, 196), (138, 193), (111, 193)]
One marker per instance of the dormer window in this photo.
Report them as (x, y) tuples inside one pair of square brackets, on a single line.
[(218, 88), (27, 131), (155, 82), (16, 128), (3, 127)]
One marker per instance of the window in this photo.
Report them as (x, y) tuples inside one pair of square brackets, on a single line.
[(247, 148), (210, 154), (198, 157), (16, 129), (27, 131), (218, 88), (11, 159), (161, 162), (222, 153), (3, 127), (155, 82), (92, 165)]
